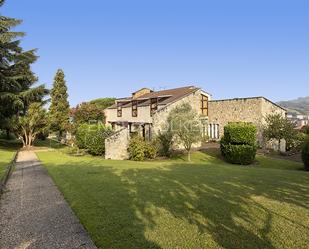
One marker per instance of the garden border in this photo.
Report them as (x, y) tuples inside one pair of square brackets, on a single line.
[(8, 172)]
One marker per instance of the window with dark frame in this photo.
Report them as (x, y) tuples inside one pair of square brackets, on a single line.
[(204, 105), (153, 105), (134, 108), (119, 109)]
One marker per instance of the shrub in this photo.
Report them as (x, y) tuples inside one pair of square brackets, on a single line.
[(239, 143), (239, 153), (80, 135), (151, 149), (305, 153), (136, 149), (140, 150), (305, 129), (240, 133), (92, 138), (165, 141), (296, 143), (95, 139)]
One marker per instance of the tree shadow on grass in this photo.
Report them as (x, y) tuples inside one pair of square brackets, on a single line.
[(159, 207)]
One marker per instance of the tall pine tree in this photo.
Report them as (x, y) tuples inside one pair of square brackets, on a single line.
[(59, 109), (16, 77)]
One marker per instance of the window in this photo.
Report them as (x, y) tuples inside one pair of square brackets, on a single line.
[(213, 131), (119, 109), (204, 105), (153, 105), (134, 108)]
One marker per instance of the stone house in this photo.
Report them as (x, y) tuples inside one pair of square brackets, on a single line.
[(145, 112)]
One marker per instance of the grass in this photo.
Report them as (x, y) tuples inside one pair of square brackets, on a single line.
[(48, 143), (7, 150), (176, 204)]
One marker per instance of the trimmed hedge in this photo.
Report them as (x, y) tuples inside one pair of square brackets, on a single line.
[(240, 133), (305, 153), (238, 145), (239, 153)]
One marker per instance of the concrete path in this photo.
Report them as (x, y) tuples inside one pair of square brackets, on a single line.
[(34, 214)]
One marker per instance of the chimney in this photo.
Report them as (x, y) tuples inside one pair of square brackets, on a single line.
[(141, 92)]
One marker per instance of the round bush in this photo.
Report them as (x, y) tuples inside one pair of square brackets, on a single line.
[(305, 153), (239, 153)]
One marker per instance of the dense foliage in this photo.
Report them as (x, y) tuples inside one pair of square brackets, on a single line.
[(59, 109), (165, 141), (103, 103), (306, 129), (87, 112), (29, 126), (278, 127), (16, 78), (305, 153), (238, 145), (92, 138), (80, 135), (139, 149), (240, 133), (185, 125)]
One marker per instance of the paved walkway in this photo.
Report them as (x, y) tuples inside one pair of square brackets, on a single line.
[(34, 214)]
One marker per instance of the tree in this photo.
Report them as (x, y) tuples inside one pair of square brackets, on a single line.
[(184, 123), (59, 109), (16, 77), (278, 127), (103, 103), (27, 127), (87, 112)]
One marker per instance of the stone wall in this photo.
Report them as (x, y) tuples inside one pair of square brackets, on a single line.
[(252, 110), (160, 116), (117, 144)]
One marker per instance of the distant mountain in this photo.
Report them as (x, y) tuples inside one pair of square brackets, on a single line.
[(299, 106)]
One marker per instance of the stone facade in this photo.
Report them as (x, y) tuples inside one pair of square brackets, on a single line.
[(117, 144), (253, 110), (194, 99), (148, 124)]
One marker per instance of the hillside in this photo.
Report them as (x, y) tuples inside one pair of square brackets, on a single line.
[(300, 105)]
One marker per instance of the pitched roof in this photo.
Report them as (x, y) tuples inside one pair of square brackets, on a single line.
[(164, 96)]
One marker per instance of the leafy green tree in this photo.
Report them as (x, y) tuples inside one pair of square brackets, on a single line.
[(278, 127), (184, 123), (103, 103), (27, 127), (87, 112), (16, 77), (59, 109)]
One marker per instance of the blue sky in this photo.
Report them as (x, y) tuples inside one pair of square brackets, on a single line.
[(230, 48)]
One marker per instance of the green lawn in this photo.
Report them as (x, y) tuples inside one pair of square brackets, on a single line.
[(7, 150), (175, 204)]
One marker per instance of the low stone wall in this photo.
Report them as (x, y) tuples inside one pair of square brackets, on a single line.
[(116, 146)]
